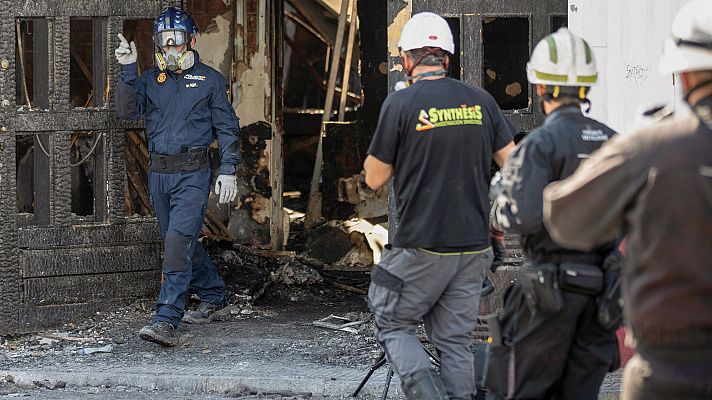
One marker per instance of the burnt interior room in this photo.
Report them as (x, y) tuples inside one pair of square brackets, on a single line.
[(505, 42), (310, 30)]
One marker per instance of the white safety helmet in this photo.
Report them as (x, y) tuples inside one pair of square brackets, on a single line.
[(426, 29), (690, 47), (563, 59)]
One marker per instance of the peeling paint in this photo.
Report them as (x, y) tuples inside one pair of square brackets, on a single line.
[(254, 89), (395, 28), (213, 44)]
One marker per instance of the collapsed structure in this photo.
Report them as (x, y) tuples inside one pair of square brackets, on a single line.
[(76, 228)]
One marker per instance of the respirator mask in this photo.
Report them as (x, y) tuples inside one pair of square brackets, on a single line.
[(167, 54)]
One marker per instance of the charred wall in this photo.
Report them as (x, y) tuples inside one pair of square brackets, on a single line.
[(345, 145), (62, 255)]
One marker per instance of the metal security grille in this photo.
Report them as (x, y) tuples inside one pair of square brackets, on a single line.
[(67, 246)]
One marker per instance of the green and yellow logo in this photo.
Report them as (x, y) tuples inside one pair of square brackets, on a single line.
[(438, 118)]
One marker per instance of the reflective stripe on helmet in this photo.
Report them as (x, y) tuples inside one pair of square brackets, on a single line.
[(553, 54), (564, 78)]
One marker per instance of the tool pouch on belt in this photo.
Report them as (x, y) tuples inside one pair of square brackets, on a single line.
[(580, 278), (541, 289), (609, 303)]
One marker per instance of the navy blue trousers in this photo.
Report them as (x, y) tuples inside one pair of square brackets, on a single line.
[(180, 201)]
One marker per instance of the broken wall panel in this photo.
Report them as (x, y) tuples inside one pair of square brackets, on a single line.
[(87, 260), (82, 288), (36, 318), (47, 238)]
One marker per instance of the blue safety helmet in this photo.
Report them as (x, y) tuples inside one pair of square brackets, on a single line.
[(173, 28)]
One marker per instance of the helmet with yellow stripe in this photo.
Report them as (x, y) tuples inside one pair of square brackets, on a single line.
[(565, 64)]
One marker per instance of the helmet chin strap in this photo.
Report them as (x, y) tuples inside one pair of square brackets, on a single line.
[(412, 78)]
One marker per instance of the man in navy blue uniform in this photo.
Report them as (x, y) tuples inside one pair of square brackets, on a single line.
[(185, 107)]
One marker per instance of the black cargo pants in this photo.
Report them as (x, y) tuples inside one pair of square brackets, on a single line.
[(564, 355)]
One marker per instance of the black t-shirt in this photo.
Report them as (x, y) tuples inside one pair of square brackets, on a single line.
[(440, 136)]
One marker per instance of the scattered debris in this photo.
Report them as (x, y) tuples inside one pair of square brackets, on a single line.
[(91, 350), (51, 385), (349, 288), (338, 323)]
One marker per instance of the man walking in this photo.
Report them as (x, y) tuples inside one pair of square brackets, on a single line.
[(552, 345), (437, 138), (656, 184), (185, 107)]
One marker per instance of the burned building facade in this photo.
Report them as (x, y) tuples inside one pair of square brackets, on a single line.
[(77, 232)]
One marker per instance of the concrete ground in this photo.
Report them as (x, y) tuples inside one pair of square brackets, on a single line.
[(267, 351)]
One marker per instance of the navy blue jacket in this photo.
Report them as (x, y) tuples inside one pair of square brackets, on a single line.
[(548, 153), (181, 111)]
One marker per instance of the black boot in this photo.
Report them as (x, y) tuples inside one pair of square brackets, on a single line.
[(424, 384), (206, 312), (160, 332)]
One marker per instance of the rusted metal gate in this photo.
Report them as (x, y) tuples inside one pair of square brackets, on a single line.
[(61, 256)]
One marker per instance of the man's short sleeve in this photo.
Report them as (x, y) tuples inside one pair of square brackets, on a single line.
[(384, 143), (504, 131)]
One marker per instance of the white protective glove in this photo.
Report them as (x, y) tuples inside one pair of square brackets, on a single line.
[(125, 54), (226, 188)]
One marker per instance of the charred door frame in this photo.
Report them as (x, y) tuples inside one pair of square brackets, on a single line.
[(58, 119)]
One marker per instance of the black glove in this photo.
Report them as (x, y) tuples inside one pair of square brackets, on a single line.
[(487, 287), (497, 241)]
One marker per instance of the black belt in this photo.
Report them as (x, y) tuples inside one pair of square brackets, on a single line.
[(192, 160)]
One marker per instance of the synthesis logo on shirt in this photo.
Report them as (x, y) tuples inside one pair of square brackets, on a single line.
[(441, 117)]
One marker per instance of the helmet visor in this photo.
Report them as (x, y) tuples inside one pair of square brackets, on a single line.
[(171, 38)]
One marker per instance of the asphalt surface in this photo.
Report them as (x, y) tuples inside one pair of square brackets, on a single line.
[(269, 350)]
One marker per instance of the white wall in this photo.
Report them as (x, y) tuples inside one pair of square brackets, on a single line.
[(627, 37)]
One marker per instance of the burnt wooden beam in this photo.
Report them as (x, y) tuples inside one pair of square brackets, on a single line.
[(99, 60), (82, 289), (100, 177), (10, 294), (45, 238), (41, 179), (88, 260), (60, 188)]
